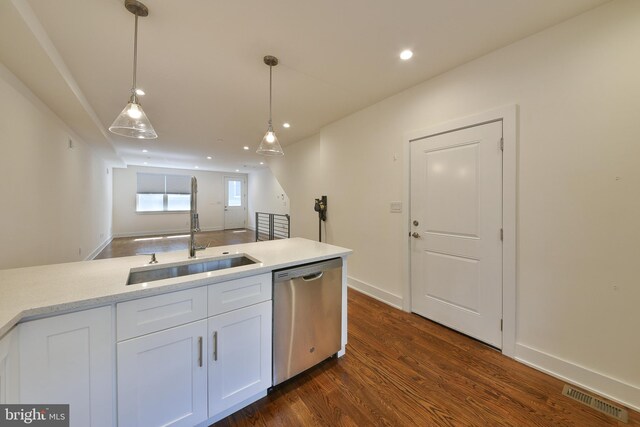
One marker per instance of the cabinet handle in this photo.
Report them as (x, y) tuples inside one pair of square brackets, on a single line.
[(215, 345), (200, 351)]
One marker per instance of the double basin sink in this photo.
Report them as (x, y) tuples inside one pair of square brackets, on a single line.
[(150, 274)]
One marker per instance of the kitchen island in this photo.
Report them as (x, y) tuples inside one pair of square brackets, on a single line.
[(83, 319)]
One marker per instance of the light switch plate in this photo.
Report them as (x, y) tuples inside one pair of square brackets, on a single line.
[(396, 207)]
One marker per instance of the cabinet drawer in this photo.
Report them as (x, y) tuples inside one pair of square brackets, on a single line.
[(227, 296), (151, 314)]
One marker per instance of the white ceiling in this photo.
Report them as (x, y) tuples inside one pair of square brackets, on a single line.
[(200, 62)]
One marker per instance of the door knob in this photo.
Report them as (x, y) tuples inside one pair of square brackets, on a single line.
[(414, 234)]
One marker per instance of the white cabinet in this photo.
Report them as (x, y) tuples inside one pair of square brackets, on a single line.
[(68, 359), (9, 368), (240, 356), (178, 367), (162, 377)]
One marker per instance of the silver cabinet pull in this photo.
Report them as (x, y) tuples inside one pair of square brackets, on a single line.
[(200, 351), (215, 345)]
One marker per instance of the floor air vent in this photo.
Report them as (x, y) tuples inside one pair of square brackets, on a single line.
[(595, 403)]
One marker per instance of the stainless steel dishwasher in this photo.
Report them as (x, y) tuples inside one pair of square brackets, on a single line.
[(307, 316)]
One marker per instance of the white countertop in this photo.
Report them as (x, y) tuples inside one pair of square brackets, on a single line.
[(51, 289)]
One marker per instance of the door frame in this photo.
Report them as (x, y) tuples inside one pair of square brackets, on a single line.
[(509, 117)]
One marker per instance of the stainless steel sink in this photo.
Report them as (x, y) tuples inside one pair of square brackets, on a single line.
[(203, 266)]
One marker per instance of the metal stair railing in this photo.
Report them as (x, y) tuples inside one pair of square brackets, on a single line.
[(270, 226)]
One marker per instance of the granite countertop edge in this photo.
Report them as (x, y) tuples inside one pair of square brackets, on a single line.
[(34, 292)]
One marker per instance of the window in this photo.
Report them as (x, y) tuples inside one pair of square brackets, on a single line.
[(234, 193), (163, 193)]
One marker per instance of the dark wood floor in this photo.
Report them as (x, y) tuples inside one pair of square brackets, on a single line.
[(400, 370), (403, 370), (128, 246)]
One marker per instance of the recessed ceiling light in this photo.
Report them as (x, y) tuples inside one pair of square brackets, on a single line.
[(145, 151), (237, 170), (262, 163), (406, 54), (208, 157), (139, 92), (286, 125), (245, 147)]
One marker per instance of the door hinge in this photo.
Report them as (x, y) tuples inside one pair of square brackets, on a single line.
[(501, 323), (501, 234), (502, 143)]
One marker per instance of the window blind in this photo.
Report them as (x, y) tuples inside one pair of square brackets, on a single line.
[(178, 184), (149, 183), (153, 183)]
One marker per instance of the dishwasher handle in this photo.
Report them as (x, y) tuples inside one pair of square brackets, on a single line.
[(312, 277)]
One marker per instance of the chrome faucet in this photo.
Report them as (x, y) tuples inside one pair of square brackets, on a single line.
[(195, 222)]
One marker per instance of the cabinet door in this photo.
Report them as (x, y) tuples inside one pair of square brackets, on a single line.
[(68, 359), (162, 377), (240, 356)]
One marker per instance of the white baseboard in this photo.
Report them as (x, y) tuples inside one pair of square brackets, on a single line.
[(99, 249), (610, 388), (376, 293), (162, 232)]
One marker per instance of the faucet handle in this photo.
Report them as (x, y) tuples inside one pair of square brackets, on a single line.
[(202, 248), (153, 259)]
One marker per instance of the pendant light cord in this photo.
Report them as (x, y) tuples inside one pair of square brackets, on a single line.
[(135, 55), (270, 84)]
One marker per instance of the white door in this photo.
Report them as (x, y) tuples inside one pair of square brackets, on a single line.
[(9, 368), (235, 202), (456, 221), (162, 377), (68, 359), (240, 356)]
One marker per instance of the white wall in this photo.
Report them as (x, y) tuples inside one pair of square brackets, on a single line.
[(265, 195), (126, 222), (300, 171), (577, 88), (56, 201)]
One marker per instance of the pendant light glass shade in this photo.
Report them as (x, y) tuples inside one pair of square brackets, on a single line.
[(269, 146), (132, 121)]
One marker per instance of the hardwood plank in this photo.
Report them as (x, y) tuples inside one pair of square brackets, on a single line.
[(403, 370)]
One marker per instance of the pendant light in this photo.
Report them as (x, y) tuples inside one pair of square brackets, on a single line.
[(132, 121), (270, 145)]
